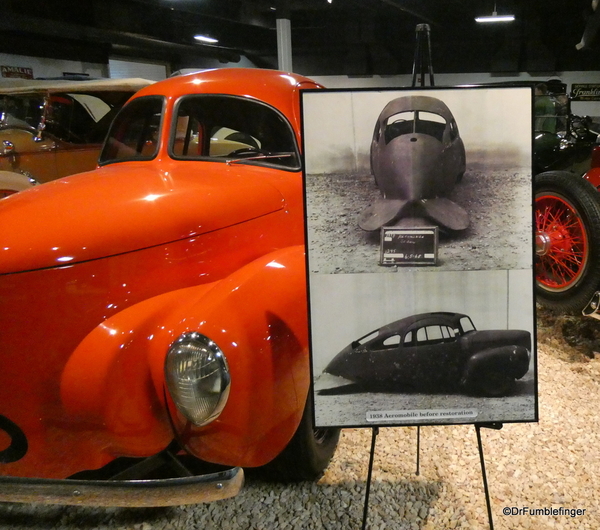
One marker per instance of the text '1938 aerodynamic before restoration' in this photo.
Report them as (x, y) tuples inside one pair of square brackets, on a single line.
[(156, 306)]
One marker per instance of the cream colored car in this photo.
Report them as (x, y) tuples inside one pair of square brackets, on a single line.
[(51, 129)]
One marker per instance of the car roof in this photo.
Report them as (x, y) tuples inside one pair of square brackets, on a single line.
[(276, 88), (32, 86), (424, 319), (407, 103)]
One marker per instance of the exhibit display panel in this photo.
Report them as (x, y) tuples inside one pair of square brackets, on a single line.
[(419, 255)]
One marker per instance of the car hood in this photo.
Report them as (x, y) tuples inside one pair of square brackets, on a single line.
[(478, 340), (126, 207)]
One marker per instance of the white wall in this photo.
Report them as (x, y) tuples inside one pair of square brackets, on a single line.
[(122, 69), (583, 108), (338, 125), (44, 67)]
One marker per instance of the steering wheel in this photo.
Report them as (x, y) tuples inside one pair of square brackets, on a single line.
[(579, 127)]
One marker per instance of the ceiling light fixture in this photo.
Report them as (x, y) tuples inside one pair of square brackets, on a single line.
[(495, 17), (204, 38)]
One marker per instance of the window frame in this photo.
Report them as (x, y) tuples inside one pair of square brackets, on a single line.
[(159, 133), (224, 160)]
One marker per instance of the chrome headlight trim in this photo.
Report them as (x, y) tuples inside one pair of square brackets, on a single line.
[(197, 377)]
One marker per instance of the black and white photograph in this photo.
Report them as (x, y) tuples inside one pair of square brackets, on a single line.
[(454, 159), (419, 348), (432, 187)]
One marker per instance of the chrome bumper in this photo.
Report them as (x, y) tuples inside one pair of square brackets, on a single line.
[(124, 493)]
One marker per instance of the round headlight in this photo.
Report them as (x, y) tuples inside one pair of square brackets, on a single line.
[(197, 377)]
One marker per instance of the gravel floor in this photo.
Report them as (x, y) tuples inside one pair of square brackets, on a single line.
[(553, 464)]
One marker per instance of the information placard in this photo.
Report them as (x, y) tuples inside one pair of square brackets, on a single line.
[(409, 246)]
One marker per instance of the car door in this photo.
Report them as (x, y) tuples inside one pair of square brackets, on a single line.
[(431, 355)]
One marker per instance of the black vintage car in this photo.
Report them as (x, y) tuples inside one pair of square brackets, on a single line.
[(436, 351)]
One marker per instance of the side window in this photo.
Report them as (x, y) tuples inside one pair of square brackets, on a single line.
[(408, 339), (453, 131), (135, 133), (448, 333), (232, 128), (392, 342), (434, 335)]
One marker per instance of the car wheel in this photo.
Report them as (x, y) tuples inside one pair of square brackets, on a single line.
[(308, 453), (567, 217), (494, 383)]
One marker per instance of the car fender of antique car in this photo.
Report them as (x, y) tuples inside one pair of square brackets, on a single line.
[(161, 302), (11, 182)]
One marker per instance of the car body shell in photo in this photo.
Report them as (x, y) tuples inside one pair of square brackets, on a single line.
[(171, 270), (436, 351), (54, 128), (417, 156)]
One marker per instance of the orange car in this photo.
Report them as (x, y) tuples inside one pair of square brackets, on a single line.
[(51, 129), (156, 307)]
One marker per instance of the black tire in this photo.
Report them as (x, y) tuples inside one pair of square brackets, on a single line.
[(567, 213), (307, 454), (494, 383)]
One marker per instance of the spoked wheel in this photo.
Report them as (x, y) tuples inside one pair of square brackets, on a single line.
[(567, 216)]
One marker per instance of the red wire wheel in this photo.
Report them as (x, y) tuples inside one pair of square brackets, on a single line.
[(561, 242), (567, 223)]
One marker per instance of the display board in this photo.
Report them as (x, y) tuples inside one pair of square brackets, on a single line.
[(420, 255)]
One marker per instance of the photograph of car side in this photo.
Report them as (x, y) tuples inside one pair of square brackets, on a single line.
[(436, 351), (423, 348), (153, 311), (454, 159)]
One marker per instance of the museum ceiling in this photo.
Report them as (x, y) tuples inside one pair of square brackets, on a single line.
[(353, 37)]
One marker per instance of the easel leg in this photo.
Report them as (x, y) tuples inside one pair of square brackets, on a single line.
[(418, 449), (366, 509), (483, 474)]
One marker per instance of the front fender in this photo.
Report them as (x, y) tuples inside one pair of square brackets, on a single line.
[(593, 176), (11, 182), (257, 316), (511, 359)]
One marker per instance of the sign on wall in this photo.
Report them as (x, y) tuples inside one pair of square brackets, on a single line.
[(419, 255), (585, 92), (16, 72)]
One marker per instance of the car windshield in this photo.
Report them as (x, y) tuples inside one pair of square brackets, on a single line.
[(71, 117), (21, 111), (228, 128), (414, 121), (466, 324), (134, 135), (551, 112)]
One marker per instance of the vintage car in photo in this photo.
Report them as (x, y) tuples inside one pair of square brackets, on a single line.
[(417, 157), (161, 310), (435, 352), (54, 128)]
